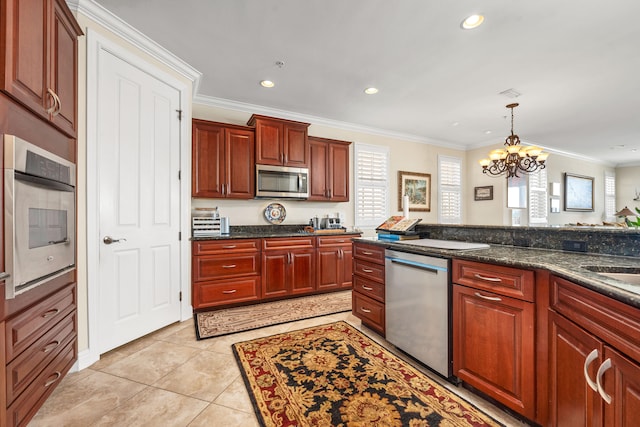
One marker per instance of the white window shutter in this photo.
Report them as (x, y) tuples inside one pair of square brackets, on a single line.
[(449, 190), (371, 185), (610, 196), (538, 197)]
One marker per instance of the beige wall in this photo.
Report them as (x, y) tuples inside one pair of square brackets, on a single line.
[(405, 156), (495, 212), (627, 187)]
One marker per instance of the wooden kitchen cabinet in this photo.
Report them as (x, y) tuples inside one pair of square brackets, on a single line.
[(39, 59), (593, 339), (288, 266), (225, 272), (335, 262), (329, 170), (368, 286), (223, 161), (493, 332), (280, 142)]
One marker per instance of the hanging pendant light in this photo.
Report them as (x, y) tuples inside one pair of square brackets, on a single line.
[(514, 158)]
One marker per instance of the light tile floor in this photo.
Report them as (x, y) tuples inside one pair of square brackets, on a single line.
[(168, 378)]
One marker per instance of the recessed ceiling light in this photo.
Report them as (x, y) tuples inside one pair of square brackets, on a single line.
[(472, 21), (267, 83), (487, 132), (455, 123), (371, 90)]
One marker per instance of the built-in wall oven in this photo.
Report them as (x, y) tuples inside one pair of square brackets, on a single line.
[(39, 215)]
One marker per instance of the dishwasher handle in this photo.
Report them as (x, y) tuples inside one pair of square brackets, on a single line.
[(417, 265)]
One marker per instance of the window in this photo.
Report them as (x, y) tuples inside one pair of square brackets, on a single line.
[(538, 197), (610, 196), (449, 190), (372, 185)]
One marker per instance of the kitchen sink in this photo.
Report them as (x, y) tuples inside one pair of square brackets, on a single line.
[(629, 275)]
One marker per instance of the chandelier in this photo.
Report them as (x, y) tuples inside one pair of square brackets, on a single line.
[(514, 158)]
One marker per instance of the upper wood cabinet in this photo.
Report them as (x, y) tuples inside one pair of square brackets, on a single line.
[(38, 58), (329, 169), (280, 142), (222, 161)]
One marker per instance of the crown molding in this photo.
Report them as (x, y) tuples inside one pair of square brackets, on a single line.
[(113, 23), (320, 121)]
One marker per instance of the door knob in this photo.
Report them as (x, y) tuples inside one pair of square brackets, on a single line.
[(109, 240)]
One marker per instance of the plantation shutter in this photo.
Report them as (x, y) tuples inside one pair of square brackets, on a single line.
[(610, 196), (372, 185), (450, 190), (538, 197)]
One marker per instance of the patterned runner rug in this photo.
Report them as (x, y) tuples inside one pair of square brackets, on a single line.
[(333, 375), (211, 324)]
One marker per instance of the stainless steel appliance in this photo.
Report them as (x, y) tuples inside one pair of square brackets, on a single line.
[(39, 215), (417, 301), (276, 182)]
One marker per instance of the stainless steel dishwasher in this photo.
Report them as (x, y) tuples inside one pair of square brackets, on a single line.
[(417, 301)]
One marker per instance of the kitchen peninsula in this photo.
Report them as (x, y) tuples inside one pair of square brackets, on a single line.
[(551, 334)]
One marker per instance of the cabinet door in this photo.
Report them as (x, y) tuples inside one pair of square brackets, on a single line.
[(208, 166), (240, 164), (347, 266), (295, 147), (318, 169), (302, 271), (25, 70), (63, 70), (274, 273), (329, 265), (339, 172), (572, 402), (269, 138), (494, 346), (622, 383)]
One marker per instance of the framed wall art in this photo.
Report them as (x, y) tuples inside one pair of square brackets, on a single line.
[(483, 193), (417, 186), (578, 193)]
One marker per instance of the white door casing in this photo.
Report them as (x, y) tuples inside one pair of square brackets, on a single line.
[(134, 143)]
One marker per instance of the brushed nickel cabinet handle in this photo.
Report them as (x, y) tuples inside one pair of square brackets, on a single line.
[(603, 368), (53, 106), (366, 288), (47, 348), (4, 275), (364, 310), (229, 247), (479, 295), (229, 266), (50, 313), (59, 104), (232, 291), (57, 376), (367, 253), (488, 279), (590, 358), (366, 270)]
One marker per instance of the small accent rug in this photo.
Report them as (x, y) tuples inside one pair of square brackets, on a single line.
[(333, 375), (211, 324)]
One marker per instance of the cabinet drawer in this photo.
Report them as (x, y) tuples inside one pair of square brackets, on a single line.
[(369, 253), (368, 288), (324, 241), (25, 328), (24, 368), (368, 270), (289, 243), (371, 312), (214, 267), (221, 292), (507, 281), (614, 322), (34, 396), (219, 247)]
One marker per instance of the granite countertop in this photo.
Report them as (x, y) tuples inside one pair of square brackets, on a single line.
[(568, 265), (274, 233)]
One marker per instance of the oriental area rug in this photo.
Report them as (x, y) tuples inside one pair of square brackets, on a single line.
[(333, 375), (211, 324)]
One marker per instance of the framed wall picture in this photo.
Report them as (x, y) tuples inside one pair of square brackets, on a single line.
[(578, 193), (418, 187), (483, 193)]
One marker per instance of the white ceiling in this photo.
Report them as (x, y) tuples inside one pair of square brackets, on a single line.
[(576, 64)]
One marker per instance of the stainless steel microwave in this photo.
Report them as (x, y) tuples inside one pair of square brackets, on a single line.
[(278, 182)]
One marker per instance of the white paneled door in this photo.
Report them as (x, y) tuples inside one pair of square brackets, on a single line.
[(138, 151)]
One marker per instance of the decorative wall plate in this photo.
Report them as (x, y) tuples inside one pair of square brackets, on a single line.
[(275, 213)]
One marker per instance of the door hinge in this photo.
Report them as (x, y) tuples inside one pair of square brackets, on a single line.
[(179, 175), (179, 114), (180, 295), (180, 235)]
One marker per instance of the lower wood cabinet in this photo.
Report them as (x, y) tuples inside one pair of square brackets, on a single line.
[(494, 335), (368, 286), (334, 262), (288, 266), (594, 358)]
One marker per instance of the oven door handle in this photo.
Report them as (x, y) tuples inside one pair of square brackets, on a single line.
[(43, 182)]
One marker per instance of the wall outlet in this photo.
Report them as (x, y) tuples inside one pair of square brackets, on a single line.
[(574, 246)]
